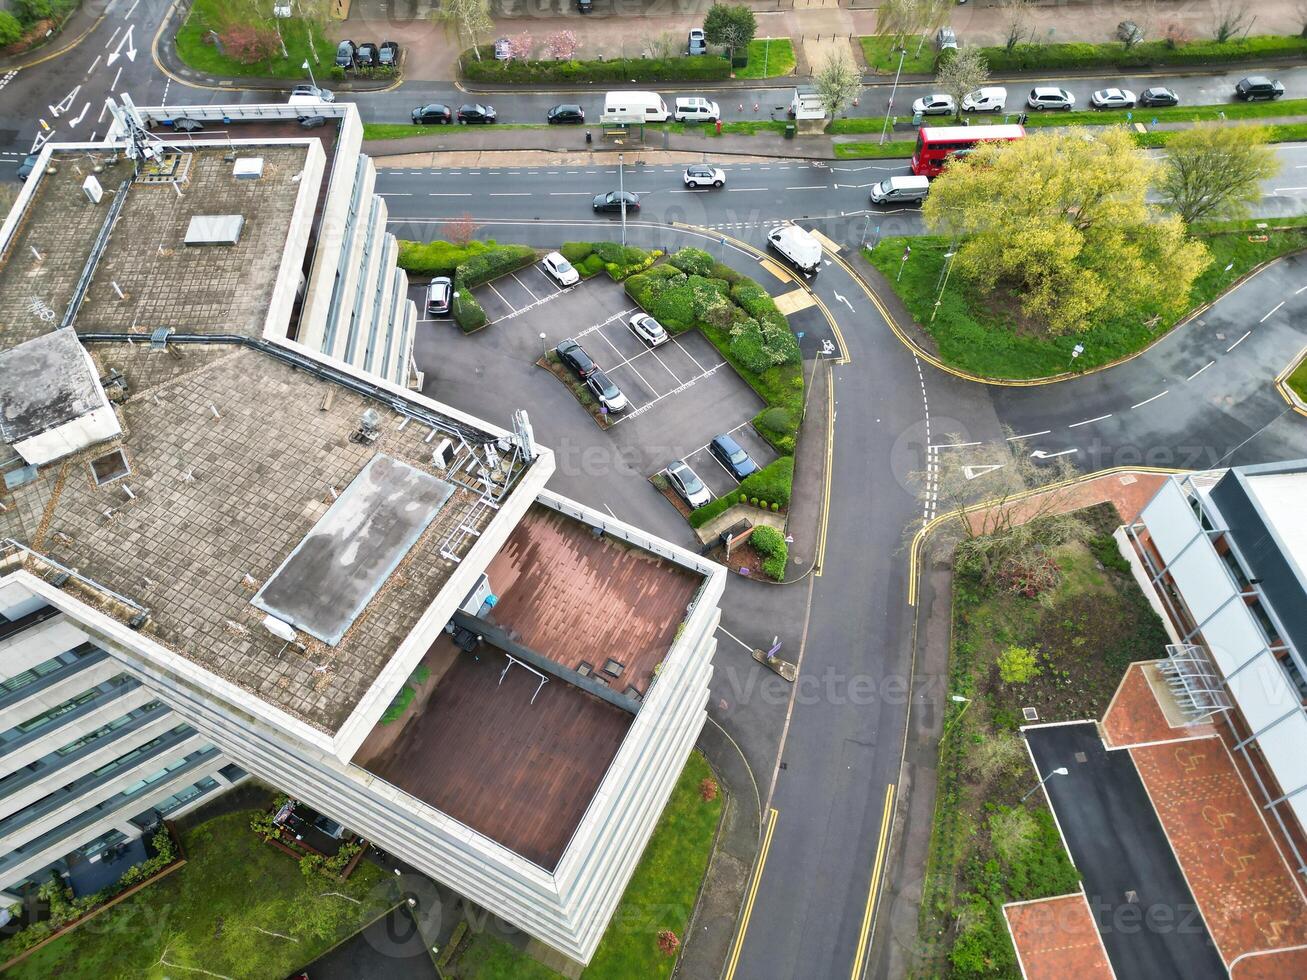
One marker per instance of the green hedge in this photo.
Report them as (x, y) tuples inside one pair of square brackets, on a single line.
[(619, 261), (469, 265), (1030, 57), (469, 314), (770, 544), (700, 68), (492, 263), (438, 258), (772, 483)]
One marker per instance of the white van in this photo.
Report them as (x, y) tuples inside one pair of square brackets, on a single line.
[(989, 99), (634, 107), (695, 108), (799, 248), (895, 190)]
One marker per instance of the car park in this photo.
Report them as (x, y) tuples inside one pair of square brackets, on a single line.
[(366, 55), (733, 456), (475, 112), (1158, 97), (1050, 98), (797, 247), (434, 114), (937, 104), (900, 190), (697, 42), (388, 54), (574, 356), (1112, 98), (1258, 88), (612, 201), (695, 108), (702, 175), (606, 393), (687, 484), (648, 329), (562, 271), (568, 112), (991, 98), (345, 54), (946, 39), (440, 294)]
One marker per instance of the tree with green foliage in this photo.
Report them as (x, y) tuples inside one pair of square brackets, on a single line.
[(1059, 227), (10, 29), (964, 72), (469, 20), (1215, 171), (730, 25), (837, 82), (1018, 665)]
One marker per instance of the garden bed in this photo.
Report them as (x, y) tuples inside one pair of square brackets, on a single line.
[(660, 896), (232, 24), (1074, 640), (699, 68), (579, 389), (977, 334)]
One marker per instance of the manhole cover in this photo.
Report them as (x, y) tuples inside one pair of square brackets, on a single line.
[(1081, 758), (1030, 714)]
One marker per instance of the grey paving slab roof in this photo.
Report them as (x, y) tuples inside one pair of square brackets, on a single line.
[(44, 383)]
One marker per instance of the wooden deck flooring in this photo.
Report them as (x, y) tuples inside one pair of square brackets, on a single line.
[(519, 773)]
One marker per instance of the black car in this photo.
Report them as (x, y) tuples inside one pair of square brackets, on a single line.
[(732, 455), (388, 54), (27, 166), (585, 6), (432, 115), (566, 113), (574, 356), (345, 51), (367, 56), (1257, 87), (612, 201), (1158, 97), (474, 112)]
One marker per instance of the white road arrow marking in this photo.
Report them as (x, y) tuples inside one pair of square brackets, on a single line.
[(41, 139), (131, 48), (63, 104), (971, 472), (1040, 454), (845, 302), (80, 116)]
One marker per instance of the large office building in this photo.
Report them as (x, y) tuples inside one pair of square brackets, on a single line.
[(1225, 555), (235, 542)]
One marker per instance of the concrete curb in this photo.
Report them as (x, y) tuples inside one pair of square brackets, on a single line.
[(39, 55)]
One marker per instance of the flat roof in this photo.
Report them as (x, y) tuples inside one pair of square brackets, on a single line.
[(1283, 498), (47, 381)]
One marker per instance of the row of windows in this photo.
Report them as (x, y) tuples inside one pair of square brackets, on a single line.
[(59, 710), (34, 674)]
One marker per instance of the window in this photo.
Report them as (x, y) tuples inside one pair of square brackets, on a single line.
[(59, 710), (33, 674), (108, 729), (233, 772)]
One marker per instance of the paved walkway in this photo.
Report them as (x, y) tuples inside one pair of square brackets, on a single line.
[(1057, 938)]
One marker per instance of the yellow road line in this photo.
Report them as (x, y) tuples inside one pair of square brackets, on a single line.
[(750, 895), (775, 270), (826, 243), (877, 869)]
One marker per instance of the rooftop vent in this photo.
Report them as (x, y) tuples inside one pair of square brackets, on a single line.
[(109, 467), (248, 168), (369, 427), (215, 229)]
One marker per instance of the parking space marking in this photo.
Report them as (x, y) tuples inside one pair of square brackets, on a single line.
[(524, 286), (728, 432), (548, 278), (794, 301), (597, 326), (628, 363), (675, 391), (687, 354), (776, 270)]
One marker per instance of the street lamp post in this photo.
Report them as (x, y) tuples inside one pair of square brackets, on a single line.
[(1060, 771), (939, 296), (309, 68), (621, 192), (890, 107), (959, 699)]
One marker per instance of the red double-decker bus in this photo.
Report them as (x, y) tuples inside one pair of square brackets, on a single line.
[(935, 144)]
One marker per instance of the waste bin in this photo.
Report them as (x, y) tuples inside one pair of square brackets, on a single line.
[(789, 131)]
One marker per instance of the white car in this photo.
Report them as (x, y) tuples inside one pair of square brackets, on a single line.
[(648, 329), (562, 271), (702, 175), (1113, 98), (937, 104), (1050, 98), (687, 484), (608, 394), (989, 99), (695, 108), (308, 94)]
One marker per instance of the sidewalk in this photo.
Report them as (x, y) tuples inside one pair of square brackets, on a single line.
[(80, 23), (572, 140)]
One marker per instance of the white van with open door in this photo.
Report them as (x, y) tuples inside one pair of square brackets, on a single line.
[(634, 107)]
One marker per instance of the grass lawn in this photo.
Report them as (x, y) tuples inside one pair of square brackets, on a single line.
[(1298, 380), (984, 342), (1085, 631), (661, 895), (882, 56), (1035, 57), (215, 15), (768, 58), (206, 916), (891, 149)]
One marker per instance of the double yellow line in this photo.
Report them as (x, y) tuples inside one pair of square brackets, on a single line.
[(877, 872), (752, 893)]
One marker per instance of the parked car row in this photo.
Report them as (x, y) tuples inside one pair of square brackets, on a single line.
[(439, 114), (367, 55), (583, 365), (994, 98), (733, 457)]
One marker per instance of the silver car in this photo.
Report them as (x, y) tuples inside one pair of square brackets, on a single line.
[(687, 484), (648, 329)]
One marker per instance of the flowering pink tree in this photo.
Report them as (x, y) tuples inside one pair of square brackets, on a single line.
[(520, 46), (561, 45)]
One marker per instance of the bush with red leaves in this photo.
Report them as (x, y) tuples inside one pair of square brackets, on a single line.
[(1029, 575), (249, 44), (668, 942), (708, 789)]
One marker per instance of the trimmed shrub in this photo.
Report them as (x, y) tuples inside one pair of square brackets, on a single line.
[(589, 266), (770, 544), (438, 258), (777, 420), (1168, 51), (700, 68), (576, 252), (694, 261), (468, 313), (10, 29), (495, 262)]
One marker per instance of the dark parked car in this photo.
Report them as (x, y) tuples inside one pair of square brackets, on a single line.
[(585, 6), (1158, 97), (28, 165), (566, 113), (432, 115), (475, 112), (732, 455), (1257, 87), (612, 201), (388, 54), (574, 356), (345, 51), (367, 56)]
